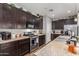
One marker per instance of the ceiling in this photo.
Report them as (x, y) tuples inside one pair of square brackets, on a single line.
[(53, 10)]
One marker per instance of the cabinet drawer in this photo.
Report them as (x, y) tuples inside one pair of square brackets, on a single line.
[(41, 40)]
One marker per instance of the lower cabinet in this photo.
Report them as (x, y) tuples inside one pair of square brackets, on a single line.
[(41, 40), (17, 48), (9, 49), (24, 47), (53, 36)]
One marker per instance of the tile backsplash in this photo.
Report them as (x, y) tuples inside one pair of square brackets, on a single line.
[(57, 31), (19, 30)]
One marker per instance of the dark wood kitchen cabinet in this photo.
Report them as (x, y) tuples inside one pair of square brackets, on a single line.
[(8, 16), (41, 40), (69, 21), (16, 48), (39, 24), (16, 18), (9, 49), (31, 22), (59, 24), (24, 46), (35, 23), (53, 36), (13, 17)]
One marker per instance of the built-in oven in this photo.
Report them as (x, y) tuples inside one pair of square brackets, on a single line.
[(34, 43), (34, 40)]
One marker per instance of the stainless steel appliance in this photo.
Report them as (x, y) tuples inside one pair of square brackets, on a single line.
[(34, 40), (5, 35)]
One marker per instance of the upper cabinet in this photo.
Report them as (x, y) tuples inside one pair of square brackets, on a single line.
[(11, 17), (70, 21), (59, 24), (15, 18), (34, 23)]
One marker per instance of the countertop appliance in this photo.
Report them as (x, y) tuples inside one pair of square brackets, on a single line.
[(5, 35), (34, 40)]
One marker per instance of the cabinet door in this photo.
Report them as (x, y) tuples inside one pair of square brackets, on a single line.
[(41, 40), (53, 25), (38, 23), (55, 35), (59, 24), (20, 19), (41, 23), (52, 37), (9, 16), (1, 12), (1, 17), (24, 46), (31, 22), (70, 21), (9, 49), (12, 17)]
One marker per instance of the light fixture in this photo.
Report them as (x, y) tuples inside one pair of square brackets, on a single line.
[(53, 15), (69, 11), (75, 19)]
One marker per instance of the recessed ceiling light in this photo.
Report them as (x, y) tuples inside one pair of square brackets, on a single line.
[(69, 11), (53, 15), (75, 19)]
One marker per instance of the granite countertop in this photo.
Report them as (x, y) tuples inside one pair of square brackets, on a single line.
[(57, 47), (40, 34), (55, 33), (15, 39)]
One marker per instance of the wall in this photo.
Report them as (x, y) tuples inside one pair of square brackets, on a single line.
[(47, 28), (78, 24), (19, 31)]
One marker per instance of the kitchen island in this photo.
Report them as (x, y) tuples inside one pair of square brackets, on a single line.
[(57, 47)]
